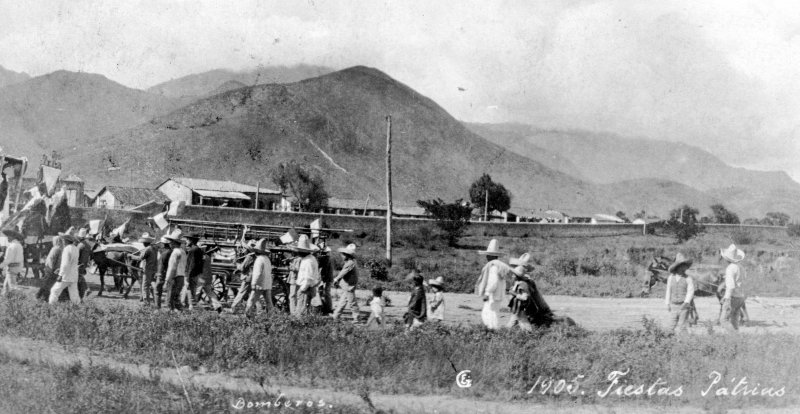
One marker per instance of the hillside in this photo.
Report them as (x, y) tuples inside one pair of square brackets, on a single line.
[(65, 109), (608, 158), (9, 77), (336, 124), (216, 81)]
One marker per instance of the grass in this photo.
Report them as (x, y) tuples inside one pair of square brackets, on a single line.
[(582, 266), (91, 389), (315, 352)]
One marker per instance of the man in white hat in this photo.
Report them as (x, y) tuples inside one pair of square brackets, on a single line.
[(148, 262), (347, 279), (307, 276), (176, 271), (733, 300), (13, 264), (68, 269), (261, 281), (680, 293), (245, 271), (491, 286)]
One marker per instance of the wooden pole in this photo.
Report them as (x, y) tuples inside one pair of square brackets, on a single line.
[(19, 185), (486, 206), (389, 190), (366, 203), (258, 190)]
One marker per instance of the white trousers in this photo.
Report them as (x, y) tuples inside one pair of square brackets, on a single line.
[(491, 314), (11, 280), (72, 288)]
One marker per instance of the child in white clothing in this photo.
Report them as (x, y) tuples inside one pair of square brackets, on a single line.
[(376, 305)]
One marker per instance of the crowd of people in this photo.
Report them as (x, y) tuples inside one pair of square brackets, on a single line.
[(176, 271)]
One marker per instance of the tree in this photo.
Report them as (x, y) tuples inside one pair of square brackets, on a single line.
[(775, 218), (308, 190), (724, 216), (499, 197), (452, 218), (640, 215), (622, 216), (683, 223)]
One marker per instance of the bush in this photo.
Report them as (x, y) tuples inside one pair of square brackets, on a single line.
[(377, 269), (744, 236), (793, 230)]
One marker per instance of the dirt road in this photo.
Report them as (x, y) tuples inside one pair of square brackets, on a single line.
[(597, 314)]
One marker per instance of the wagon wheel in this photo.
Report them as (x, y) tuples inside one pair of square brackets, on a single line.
[(218, 285)]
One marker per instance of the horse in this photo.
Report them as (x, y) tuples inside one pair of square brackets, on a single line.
[(117, 262)]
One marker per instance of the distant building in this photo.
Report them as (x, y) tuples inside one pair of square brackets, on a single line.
[(606, 219), (202, 192), (364, 208), (72, 184), (127, 198)]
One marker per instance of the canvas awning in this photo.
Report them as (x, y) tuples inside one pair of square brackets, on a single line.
[(222, 194)]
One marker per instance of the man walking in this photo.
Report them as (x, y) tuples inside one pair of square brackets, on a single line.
[(13, 264), (733, 300), (347, 279), (148, 263), (307, 276), (68, 269), (194, 268), (261, 281), (491, 286), (176, 271)]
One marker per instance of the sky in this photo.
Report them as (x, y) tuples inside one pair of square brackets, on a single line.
[(720, 75)]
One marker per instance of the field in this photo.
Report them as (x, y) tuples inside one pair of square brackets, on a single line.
[(617, 337)]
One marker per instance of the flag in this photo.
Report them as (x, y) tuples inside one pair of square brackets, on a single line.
[(50, 178), (160, 221), (95, 226), (315, 226), (289, 237), (120, 231)]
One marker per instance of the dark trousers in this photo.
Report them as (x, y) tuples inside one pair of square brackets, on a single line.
[(174, 293), (158, 287)]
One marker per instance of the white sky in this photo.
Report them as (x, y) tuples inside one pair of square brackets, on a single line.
[(720, 75)]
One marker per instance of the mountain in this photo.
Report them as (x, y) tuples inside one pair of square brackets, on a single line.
[(607, 158), (9, 77), (212, 82), (65, 109), (335, 124)]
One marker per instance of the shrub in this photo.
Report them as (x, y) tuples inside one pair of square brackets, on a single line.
[(744, 236), (377, 269), (793, 230)]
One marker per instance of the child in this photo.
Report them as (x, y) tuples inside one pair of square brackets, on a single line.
[(417, 305), (436, 311), (376, 304)]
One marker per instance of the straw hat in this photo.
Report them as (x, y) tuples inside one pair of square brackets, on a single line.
[(303, 245), (438, 282), (732, 254), (680, 260), (350, 250), (146, 238), (163, 240), (523, 260), (69, 235), (176, 236), (259, 247), (11, 233), (492, 250)]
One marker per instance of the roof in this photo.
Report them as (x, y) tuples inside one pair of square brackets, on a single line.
[(72, 178), (216, 185), (222, 194), (345, 203), (607, 217), (135, 196)]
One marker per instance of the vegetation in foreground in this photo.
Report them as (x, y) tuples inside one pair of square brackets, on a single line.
[(315, 352), (26, 388)]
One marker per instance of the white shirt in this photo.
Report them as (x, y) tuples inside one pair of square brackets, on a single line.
[(14, 258), (734, 276), (496, 284), (308, 273), (177, 264), (262, 273), (436, 306), (69, 264), (376, 305)]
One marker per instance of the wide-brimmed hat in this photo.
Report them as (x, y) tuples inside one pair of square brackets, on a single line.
[(176, 236), (732, 254), (259, 247), (438, 282), (14, 234), (193, 236), (303, 245), (69, 235), (492, 250), (523, 260), (163, 240), (146, 238), (680, 260), (350, 250)]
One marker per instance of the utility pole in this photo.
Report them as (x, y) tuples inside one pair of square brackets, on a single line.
[(389, 190), (258, 190), (486, 206)]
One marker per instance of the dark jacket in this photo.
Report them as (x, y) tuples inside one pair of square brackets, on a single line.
[(417, 306)]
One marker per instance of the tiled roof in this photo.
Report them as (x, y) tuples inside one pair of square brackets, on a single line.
[(134, 196), (216, 185)]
